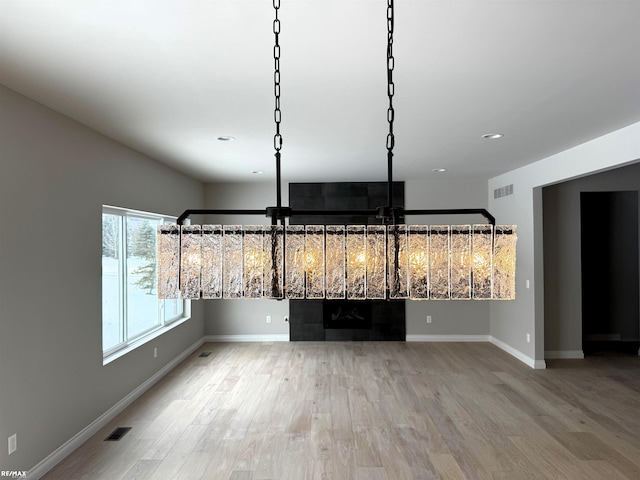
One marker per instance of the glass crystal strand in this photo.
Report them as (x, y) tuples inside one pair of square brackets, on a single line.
[(211, 261), (190, 261), (314, 261), (232, 262), (481, 263), (376, 262), (335, 261), (439, 262), (273, 272), (504, 262), (168, 261), (294, 262), (356, 262), (253, 267), (460, 262), (418, 262), (398, 258)]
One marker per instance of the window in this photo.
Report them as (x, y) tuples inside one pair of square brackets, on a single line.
[(131, 311)]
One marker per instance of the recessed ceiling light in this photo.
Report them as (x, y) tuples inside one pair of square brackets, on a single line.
[(439, 170), (493, 136), (226, 138), (257, 172)]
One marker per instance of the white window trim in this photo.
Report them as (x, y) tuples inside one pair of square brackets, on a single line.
[(127, 346)]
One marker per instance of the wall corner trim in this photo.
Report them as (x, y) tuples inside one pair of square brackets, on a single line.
[(277, 337), (82, 436), (551, 354), (527, 360)]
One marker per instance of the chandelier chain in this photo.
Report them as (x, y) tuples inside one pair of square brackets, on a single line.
[(277, 116), (390, 84)]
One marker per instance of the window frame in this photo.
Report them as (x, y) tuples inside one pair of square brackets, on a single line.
[(125, 343)]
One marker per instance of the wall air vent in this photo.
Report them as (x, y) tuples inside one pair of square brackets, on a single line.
[(503, 191), (117, 434)]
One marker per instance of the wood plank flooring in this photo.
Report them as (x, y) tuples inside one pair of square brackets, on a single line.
[(374, 411)]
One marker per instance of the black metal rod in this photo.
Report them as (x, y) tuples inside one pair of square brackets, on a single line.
[(361, 213), (454, 211), (188, 213), (390, 179), (278, 182)]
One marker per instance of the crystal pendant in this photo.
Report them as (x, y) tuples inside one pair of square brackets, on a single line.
[(398, 261), (294, 261), (460, 259), (356, 270), (335, 261), (190, 261), (481, 264), (439, 262), (232, 262), (418, 262), (504, 262), (212, 244), (168, 261)]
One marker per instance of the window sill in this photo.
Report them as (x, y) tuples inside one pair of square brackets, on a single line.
[(153, 334)]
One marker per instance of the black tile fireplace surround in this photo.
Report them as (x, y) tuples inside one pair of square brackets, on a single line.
[(344, 320)]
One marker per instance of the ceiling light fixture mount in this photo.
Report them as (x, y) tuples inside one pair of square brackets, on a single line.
[(387, 261), (493, 136)]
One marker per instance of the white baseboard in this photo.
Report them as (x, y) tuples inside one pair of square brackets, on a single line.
[(72, 444), (535, 364), (448, 338), (277, 337), (551, 354)]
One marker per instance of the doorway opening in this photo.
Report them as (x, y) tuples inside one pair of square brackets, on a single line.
[(610, 273)]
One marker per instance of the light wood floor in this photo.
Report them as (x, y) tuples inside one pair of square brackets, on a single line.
[(374, 411)]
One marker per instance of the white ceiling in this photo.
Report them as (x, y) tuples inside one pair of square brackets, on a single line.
[(167, 77)]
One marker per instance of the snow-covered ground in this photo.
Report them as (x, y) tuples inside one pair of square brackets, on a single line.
[(143, 308)]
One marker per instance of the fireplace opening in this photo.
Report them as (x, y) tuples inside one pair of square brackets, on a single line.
[(351, 314)]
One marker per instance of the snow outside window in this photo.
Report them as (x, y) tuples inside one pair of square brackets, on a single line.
[(131, 310)]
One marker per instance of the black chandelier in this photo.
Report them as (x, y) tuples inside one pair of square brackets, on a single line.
[(386, 261)]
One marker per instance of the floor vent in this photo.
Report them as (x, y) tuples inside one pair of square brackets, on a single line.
[(117, 434), (503, 191), (204, 354)]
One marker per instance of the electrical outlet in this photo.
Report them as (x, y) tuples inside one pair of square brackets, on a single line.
[(268, 318), (155, 352), (286, 319), (527, 283), (13, 443), (428, 318), (528, 338)]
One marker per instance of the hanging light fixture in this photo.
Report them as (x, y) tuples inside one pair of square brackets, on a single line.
[(357, 262)]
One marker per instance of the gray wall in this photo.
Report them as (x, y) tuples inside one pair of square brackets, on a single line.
[(448, 317), (55, 175), (511, 321), (244, 317), (562, 253), (247, 317)]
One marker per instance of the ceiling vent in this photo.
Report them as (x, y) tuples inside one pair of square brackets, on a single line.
[(503, 191)]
